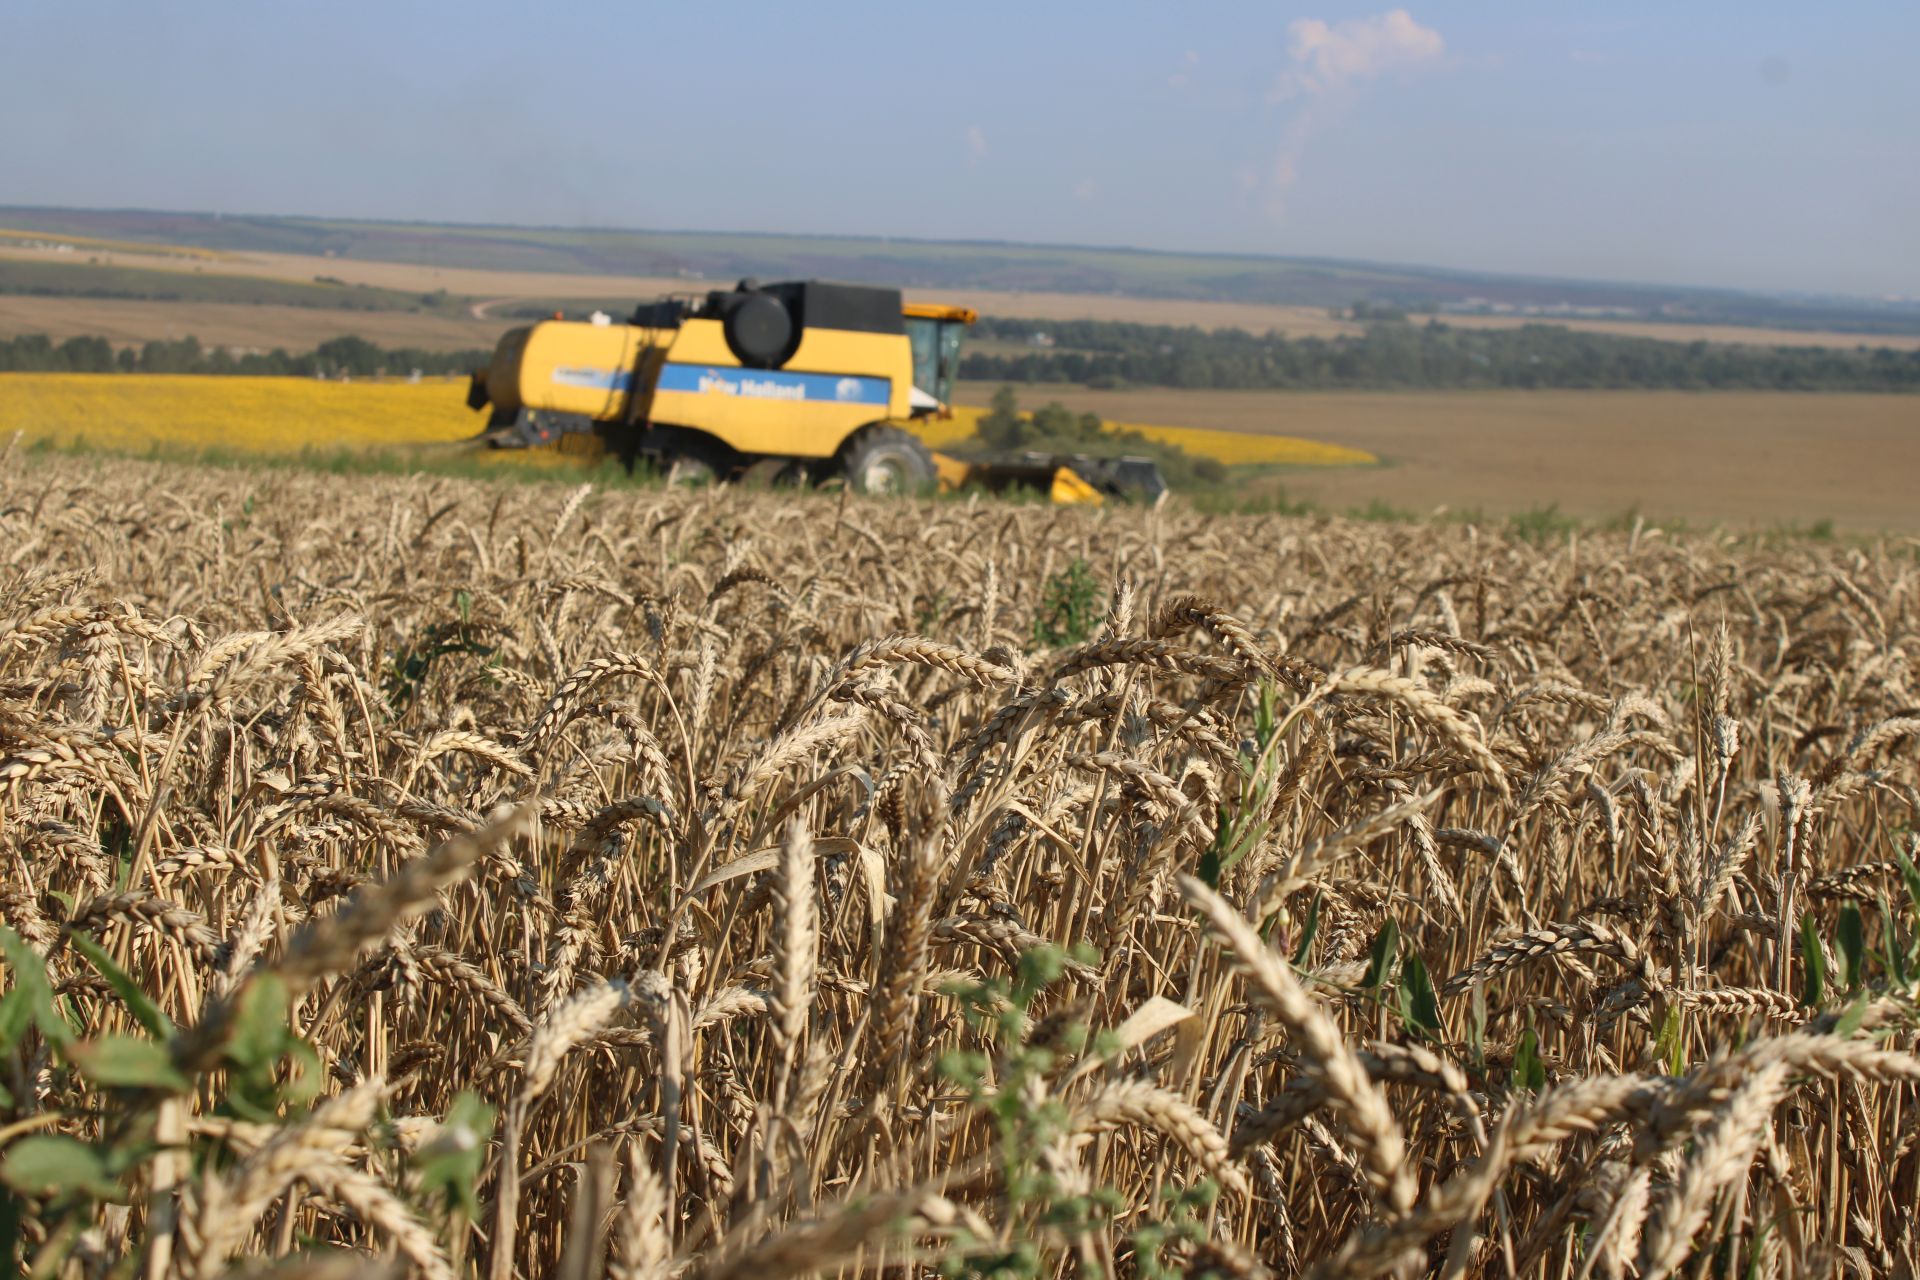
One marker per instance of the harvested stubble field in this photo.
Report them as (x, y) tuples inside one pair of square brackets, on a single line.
[(521, 880), (1751, 458)]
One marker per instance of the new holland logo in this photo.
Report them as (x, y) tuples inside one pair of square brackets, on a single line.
[(769, 387), (774, 384)]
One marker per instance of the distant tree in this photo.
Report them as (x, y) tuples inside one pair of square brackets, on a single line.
[(351, 355), (84, 355), (1000, 427), (183, 356)]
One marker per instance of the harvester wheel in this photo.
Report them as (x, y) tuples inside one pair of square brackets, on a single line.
[(692, 471), (776, 473), (886, 460), (690, 457)]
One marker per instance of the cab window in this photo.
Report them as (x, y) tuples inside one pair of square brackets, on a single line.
[(936, 355)]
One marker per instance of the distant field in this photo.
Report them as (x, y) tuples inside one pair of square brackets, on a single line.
[(183, 280), (1754, 458), (973, 267), (489, 290), (129, 322), (608, 252), (403, 277), (478, 293), (93, 244), (1675, 332)]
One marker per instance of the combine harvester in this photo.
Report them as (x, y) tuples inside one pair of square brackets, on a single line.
[(798, 383)]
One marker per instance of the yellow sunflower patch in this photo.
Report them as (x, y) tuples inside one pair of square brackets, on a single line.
[(125, 411), (137, 412)]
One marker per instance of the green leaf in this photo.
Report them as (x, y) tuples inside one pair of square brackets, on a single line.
[(16, 1015), (1671, 1045), (127, 1062), (1852, 937), (1038, 968), (1417, 1005), (260, 1032), (1756, 1255), (259, 1040), (1896, 954), (1910, 874), (450, 1163), (1814, 963), (1529, 1072), (1477, 1024), (1265, 713), (139, 1004), (1386, 945), (35, 991), (52, 1164), (306, 1077), (1308, 931), (1856, 1014)]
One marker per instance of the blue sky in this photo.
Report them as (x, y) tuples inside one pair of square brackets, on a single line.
[(1761, 144)]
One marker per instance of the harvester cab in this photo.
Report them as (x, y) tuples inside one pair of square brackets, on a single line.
[(934, 334), (803, 381)]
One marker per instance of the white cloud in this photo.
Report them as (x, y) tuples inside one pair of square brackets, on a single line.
[(976, 140), (1328, 62), (1328, 58), (1180, 78), (1086, 189)]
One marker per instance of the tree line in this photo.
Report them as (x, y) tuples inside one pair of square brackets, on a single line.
[(1390, 355), (345, 356), (1394, 355)]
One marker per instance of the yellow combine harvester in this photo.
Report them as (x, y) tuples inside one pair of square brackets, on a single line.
[(801, 382)]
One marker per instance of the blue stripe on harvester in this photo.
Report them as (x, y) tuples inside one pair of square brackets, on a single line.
[(775, 384), (594, 379)]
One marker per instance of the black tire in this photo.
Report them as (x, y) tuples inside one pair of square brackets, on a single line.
[(886, 460)]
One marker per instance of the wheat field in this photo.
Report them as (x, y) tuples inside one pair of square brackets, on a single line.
[(425, 877)]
